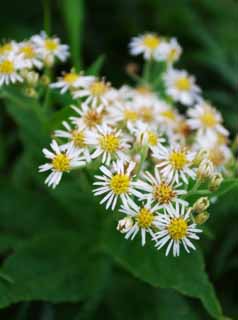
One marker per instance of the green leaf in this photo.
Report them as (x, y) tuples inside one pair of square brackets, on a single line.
[(56, 267), (73, 13), (186, 273), (96, 66)]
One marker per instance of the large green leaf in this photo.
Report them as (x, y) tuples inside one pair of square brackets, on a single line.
[(185, 273), (73, 13), (55, 267)]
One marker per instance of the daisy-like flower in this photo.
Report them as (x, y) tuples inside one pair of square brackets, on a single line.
[(10, 66), (144, 218), (145, 44), (175, 230), (72, 80), (96, 93), (169, 51), (29, 54), (75, 137), (181, 86), (124, 112), (60, 161), (88, 117), (116, 183), (8, 48), (108, 143), (50, 48), (207, 120), (158, 190), (175, 163)]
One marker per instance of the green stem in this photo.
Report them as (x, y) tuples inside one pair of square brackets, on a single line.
[(147, 70), (143, 155), (47, 16)]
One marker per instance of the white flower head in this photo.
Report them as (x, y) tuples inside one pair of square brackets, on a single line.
[(160, 191), (169, 51), (109, 143), (175, 230), (116, 183), (181, 86), (175, 162), (30, 55), (60, 161), (7, 48), (10, 66), (145, 44), (71, 80), (50, 48), (144, 217)]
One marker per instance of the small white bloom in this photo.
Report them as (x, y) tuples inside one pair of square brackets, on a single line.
[(169, 51), (7, 48), (144, 217), (146, 44), (175, 230), (30, 55), (89, 117), (108, 143), (10, 65), (158, 190), (175, 162), (181, 86), (116, 183), (60, 161)]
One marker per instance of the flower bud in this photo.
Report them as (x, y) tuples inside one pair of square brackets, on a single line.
[(201, 204), (49, 60), (216, 181), (30, 92), (201, 217), (200, 156), (45, 80), (32, 77), (125, 224), (205, 169)]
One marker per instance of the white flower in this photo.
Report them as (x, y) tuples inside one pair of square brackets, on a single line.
[(10, 65), (116, 183), (50, 48), (144, 217), (29, 54), (75, 137), (207, 120), (71, 80), (7, 48), (146, 44), (108, 143), (175, 162), (97, 93), (125, 112), (60, 161), (181, 86), (168, 51), (158, 190), (175, 230), (89, 117)]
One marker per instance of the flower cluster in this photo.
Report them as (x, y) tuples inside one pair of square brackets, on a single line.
[(149, 156)]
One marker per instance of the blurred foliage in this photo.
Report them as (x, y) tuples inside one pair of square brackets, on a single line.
[(58, 249)]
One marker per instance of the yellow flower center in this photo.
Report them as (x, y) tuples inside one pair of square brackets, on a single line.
[(178, 159), (151, 41), (109, 143), (152, 138), (98, 88), (144, 218), (183, 84), (51, 44), (5, 48), (130, 115), (28, 52), (78, 138), (143, 90), (120, 184), (70, 77), (177, 228), (163, 193), (169, 114), (208, 119), (146, 114), (7, 67), (92, 118), (61, 162)]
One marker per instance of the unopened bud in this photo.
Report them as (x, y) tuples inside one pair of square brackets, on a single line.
[(30, 92), (200, 156), (216, 181), (49, 60), (201, 217), (201, 204), (125, 224), (45, 80), (31, 77), (205, 169)]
